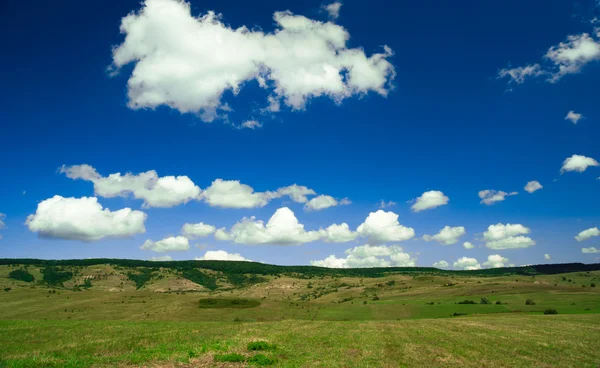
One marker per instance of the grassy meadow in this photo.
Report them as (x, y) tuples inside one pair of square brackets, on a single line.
[(103, 316)]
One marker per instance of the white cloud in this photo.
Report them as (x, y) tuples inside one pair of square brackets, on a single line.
[(83, 219), (2, 224), (428, 200), (466, 263), (369, 256), (490, 196), (578, 163), (333, 9), (566, 58), (170, 244), (199, 230), (282, 228), (441, 264), (221, 255), (251, 124), (590, 250), (383, 204), (468, 245), (188, 63), (380, 227), (447, 236), (587, 234), (495, 261), (167, 191), (573, 117), (547, 257), (322, 202), (507, 236), (532, 186), (339, 234), (162, 258)]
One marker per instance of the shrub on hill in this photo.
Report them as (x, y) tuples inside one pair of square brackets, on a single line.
[(201, 278), (529, 302), (485, 300), (228, 303), (141, 277), (21, 275), (550, 311), (467, 302), (56, 276)]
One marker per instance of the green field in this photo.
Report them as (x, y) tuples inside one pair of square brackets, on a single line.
[(394, 319)]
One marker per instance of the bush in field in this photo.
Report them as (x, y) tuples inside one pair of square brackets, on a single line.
[(467, 302), (231, 357), (391, 283), (260, 345), (550, 311), (529, 302), (56, 276), (485, 300), (260, 359), (498, 302), (592, 285), (21, 275)]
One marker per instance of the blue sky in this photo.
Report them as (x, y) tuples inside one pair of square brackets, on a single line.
[(465, 97)]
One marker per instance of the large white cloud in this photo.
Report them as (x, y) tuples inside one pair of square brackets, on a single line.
[(466, 263), (338, 233), (509, 236), (322, 202), (166, 191), (428, 200), (169, 244), (187, 62), (199, 230), (532, 186), (587, 234), (83, 219), (369, 256), (468, 245), (441, 264), (220, 255), (381, 227), (495, 261), (448, 235), (568, 57), (573, 117), (590, 250), (490, 196), (578, 163)]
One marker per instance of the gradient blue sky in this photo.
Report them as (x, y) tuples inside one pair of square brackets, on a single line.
[(448, 124)]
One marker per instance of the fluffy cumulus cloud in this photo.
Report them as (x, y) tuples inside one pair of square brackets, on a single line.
[(495, 261), (188, 62), (162, 258), (509, 236), (532, 186), (199, 230), (2, 224), (590, 250), (447, 236), (251, 124), (333, 9), (547, 257), (83, 219), (441, 264), (466, 263), (568, 57), (369, 256), (429, 200), (381, 227), (170, 244), (322, 202), (587, 234), (468, 245), (578, 163), (221, 255), (573, 117), (490, 196), (155, 191), (338, 234)]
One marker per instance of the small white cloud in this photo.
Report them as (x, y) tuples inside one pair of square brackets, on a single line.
[(383, 204), (578, 163), (573, 117), (83, 219), (369, 256), (199, 230), (428, 200), (333, 9), (330, 262), (468, 245), (490, 196), (221, 255), (322, 202), (507, 236), (162, 258), (547, 257), (381, 227), (441, 264), (447, 236), (251, 124), (520, 74), (590, 250), (466, 263), (587, 234), (170, 244), (2, 224), (495, 261), (532, 186), (339, 234)]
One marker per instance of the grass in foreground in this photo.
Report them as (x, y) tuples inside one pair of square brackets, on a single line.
[(474, 341)]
